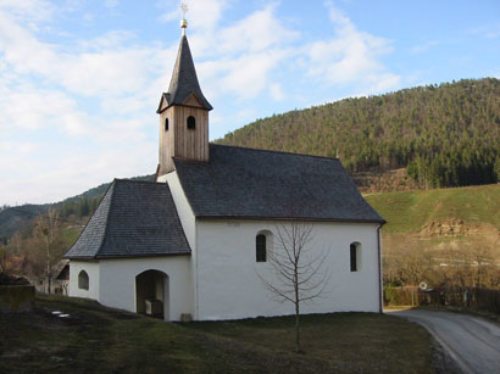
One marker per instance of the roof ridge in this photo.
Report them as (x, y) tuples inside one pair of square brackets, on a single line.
[(106, 227), (274, 151), (127, 180), (88, 222)]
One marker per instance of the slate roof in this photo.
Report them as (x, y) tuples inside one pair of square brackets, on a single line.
[(184, 80), (256, 184), (134, 219)]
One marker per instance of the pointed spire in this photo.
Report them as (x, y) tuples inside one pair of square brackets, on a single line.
[(184, 80)]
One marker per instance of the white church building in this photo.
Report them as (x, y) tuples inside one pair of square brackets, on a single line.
[(196, 243)]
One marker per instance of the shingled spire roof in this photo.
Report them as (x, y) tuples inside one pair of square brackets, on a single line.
[(184, 81)]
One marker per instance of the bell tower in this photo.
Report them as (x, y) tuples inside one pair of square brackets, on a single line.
[(183, 112)]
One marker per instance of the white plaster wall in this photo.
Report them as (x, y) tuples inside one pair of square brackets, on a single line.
[(229, 286), (92, 269), (118, 282), (189, 224), (184, 210)]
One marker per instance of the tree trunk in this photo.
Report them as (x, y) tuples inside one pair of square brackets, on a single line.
[(297, 328), (297, 308)]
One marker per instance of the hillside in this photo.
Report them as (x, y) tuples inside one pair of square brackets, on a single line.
[(443, 236), (408, 212), (446, 135), (13, 219), (16, 218)]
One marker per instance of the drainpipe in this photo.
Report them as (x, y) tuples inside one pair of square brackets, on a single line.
[(380, 280)]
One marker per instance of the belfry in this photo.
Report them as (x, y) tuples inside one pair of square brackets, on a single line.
[(183, 112)]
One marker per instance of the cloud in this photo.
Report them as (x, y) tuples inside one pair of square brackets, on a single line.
[(276, 92), (350, 56), (29, 109), (259, 31), (425, 47), (28, 10), (111, 3), (204, 15), (491, 31), (82, 112), (239, 59)]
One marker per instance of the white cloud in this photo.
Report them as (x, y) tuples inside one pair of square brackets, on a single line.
[(111, 3), (28, 10), (85, 111), (31, 109), (350, 56), (424, 47), (203, 15), (276, 92), (259, 31), (491, 31)]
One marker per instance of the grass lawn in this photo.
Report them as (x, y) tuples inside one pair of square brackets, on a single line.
[(97, 339), (410, 211)]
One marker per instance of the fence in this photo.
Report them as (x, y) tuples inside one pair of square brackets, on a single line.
[(477, 298)]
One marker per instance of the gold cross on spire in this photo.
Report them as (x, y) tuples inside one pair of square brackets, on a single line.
[(184, 10)]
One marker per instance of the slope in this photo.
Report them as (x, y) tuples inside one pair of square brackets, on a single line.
[(446, 135)]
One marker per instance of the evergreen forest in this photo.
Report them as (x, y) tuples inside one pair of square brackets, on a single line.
[(444, 135)]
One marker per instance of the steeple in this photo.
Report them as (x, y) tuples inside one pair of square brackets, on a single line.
[(183, 114), (184, 80)]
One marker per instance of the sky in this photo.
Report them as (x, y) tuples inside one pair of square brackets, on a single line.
[(80, 80)]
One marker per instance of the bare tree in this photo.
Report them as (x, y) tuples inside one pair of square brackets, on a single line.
[(47, 230), (300, 276)]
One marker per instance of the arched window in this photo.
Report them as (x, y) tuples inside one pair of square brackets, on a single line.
[(260, 248), (191, 123), (83, 280), (355, 254), (166, 124)]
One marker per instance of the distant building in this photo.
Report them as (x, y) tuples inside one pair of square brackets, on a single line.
[(191, 244), (59, 281)]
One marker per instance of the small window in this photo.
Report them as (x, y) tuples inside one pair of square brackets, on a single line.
[(355, 249), (191, 123), (83, 280), (166, 124), (260, 248)]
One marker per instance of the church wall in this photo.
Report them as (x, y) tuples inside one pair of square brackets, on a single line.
[(118, 286), (188, 221), (228, 274), (92, 269), (184, 210)]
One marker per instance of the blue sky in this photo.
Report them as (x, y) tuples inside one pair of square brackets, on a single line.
[(80, 80)]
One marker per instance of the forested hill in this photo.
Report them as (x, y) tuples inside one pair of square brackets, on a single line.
[(445, 135)]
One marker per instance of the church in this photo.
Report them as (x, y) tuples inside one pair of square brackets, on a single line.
[(196, 244)]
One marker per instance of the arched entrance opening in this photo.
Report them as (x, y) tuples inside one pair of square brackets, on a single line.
[(151, 294)]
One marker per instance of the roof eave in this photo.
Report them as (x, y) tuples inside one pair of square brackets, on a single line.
[(110, 257), (306, 219)]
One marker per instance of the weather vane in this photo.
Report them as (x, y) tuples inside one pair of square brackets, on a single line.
[(184, 10)]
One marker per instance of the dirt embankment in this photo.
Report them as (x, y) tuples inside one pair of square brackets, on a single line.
[(384, 181)]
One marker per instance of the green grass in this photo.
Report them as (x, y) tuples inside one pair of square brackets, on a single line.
[(98, 339), (70, 234), (410, 211)]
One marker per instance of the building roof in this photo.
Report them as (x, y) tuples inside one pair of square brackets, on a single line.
[(134, 219), (247, 183), (184, 82)]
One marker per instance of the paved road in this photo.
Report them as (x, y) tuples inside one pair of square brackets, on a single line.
[(472, 342)]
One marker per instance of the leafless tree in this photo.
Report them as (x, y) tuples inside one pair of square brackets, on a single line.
[(300, 273), (47, 231)]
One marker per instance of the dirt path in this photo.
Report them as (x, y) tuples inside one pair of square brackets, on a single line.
[(472, 342)]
